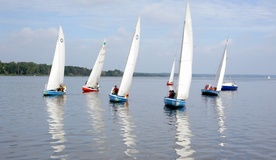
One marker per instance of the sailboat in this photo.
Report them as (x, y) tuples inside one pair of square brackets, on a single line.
[(214, 89), (170, 82), (92, 84), (229, 86), (122, 95), (55, 84), (185, 65)]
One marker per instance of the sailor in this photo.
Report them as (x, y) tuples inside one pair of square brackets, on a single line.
[(115, 90), (98, 86), (171, 94)]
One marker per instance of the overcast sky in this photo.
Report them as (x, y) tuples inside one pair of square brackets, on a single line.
[(29, 29)]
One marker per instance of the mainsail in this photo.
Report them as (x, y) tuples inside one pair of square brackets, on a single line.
[(131, 62), (221, 70), (57, 71), (97, 69), (186, 58)]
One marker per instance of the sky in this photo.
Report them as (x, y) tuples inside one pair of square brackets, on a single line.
[(29, 30)]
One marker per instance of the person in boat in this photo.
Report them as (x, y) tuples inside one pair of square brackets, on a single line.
[(98, 86), (64, 88), (61, 88), (115, 90), (169, 83), (212, 88), (171, 94)]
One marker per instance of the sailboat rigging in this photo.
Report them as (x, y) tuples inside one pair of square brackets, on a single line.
[(185, 65), (123, 92), (215, 88), (55, 85), (92, 84)]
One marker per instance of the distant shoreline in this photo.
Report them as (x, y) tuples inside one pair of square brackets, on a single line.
[(33, 69), (207, 76)]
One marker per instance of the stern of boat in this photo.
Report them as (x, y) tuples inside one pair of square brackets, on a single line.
[(208, 92), (116, 98), (87, 89), (52, 93), (172, 102)]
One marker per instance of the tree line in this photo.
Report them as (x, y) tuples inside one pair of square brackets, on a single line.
[(31, 68)]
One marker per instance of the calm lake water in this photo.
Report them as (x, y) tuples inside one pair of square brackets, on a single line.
[(236, 125)]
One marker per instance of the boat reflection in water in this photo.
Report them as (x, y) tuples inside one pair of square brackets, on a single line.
[(127, 128), (97, 120), (183, 133), (216, 103), (56, 123), (221, 120)]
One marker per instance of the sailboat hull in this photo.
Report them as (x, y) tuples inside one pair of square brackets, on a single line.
[(169, 83), (53, 93), (229, 87), (172, 102), (87, 89), (209, 92), (116, 98)]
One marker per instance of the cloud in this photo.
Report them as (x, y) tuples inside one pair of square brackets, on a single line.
[(240, 15), (162, 13), (85, 23), (28, 44)]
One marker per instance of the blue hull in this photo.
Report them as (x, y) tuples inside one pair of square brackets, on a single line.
[(172, 102), (209, 92), (116, 98), (52, 93), (229, 88)]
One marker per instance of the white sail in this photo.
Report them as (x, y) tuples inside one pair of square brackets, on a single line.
[(186, 58), (97, 69), (131, 62), (221, 71), (172, 72), (57, 71)]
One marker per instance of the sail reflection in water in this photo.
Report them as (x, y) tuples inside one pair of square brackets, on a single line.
[(97, 119), (127, 128), (216, 103), (221, 120), (183, 133), (56, 123)]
